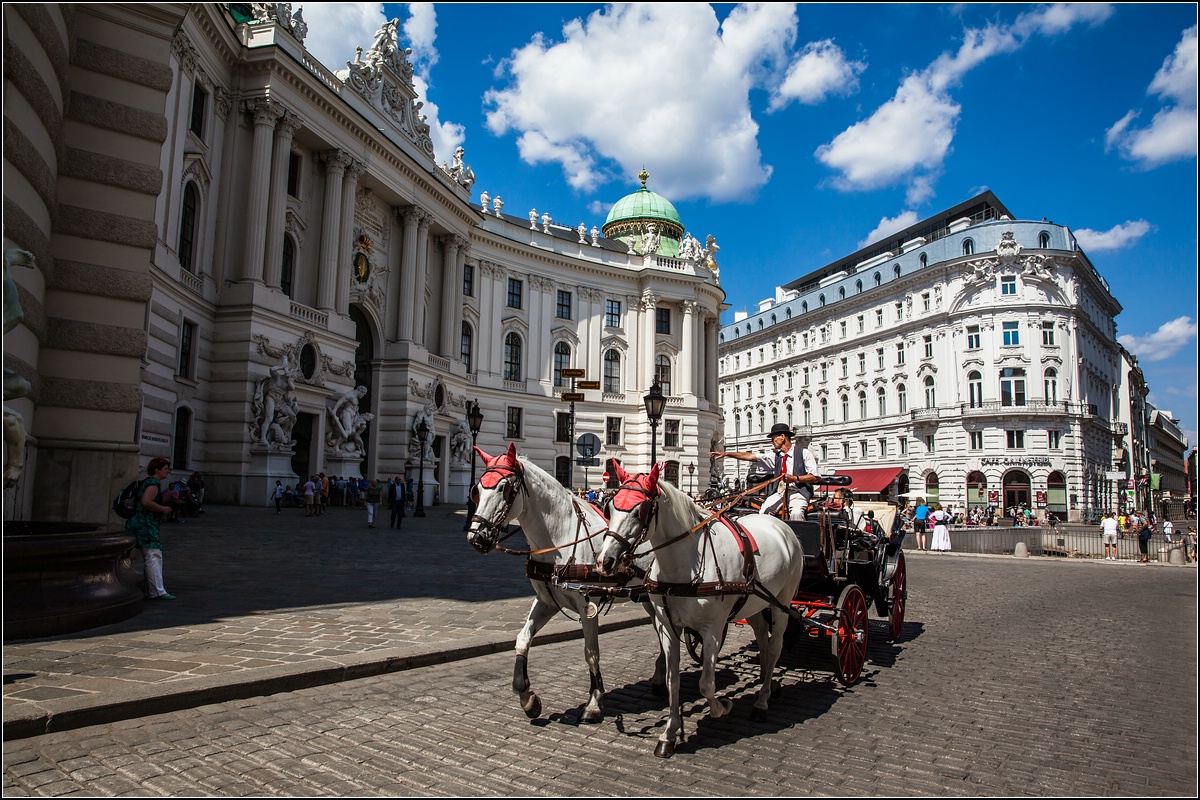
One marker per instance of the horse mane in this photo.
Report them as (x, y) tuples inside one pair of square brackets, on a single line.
[(691, 513), (563, 499)]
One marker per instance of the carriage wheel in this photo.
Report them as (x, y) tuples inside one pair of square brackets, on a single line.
[(899, 596), (850, 641), (695, 644)]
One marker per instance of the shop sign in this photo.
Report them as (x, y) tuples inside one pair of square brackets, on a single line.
[(1017, 461)]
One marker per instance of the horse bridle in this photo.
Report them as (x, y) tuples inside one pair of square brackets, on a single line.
[(646, 508), (510, 477)]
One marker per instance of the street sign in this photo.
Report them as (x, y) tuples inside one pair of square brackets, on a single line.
[(588, 462), (1115, 476), (588, 445), (606, 477), (573, 373), (587, 384), (572, 397)]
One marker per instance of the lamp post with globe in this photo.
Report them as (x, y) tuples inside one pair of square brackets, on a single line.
[(475, 422), (422, 435), (655, 403)]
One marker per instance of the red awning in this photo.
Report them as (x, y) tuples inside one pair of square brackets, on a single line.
[(872, 480)]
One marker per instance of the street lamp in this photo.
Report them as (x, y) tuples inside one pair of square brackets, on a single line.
[(422, 435), (692, 473), (475, 422), (655, 403)]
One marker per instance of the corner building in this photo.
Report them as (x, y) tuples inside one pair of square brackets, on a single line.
[(970, 359), (216, 215)]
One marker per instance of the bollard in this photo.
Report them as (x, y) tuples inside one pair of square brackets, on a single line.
[(1021, 551), (1177, 556)]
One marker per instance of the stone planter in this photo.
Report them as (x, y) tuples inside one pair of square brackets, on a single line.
[(63, 577)]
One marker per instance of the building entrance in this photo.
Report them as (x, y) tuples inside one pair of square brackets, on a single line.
[(1016, 491)]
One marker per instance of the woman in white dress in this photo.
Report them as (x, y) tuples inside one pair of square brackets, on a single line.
[(941, 529)]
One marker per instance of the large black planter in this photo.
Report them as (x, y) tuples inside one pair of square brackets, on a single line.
[(63, 577)]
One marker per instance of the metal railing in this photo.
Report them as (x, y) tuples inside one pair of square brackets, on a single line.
[(1064, 541)]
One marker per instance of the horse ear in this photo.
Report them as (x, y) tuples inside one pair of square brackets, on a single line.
[(652, 479), (512, 452), (486, 458), (622, 475)]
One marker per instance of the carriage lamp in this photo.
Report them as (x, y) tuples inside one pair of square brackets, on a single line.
[(475, 422), (422, 435), (692, 473), (655, 404)]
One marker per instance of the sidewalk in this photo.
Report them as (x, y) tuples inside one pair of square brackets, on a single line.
[(270, 603)]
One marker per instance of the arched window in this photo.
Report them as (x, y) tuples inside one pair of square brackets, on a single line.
[(930, 393), (183, 439), (896, 270), (790, 420), (562, 360), (824, 411), (737, 426), (845, 408), (762, 422), (976, 490), (974, 389), (878, 279), (932, 492), (862, 405), (901, 399), (612, 372), (1056, 493), (804, 307), (662, 371), (1051, 385), (806, 410), (924, 260), (858, 286), (187, 228), (760, 324), (881, 395), (968, 247), (821, 299), (287, 270), (841, 292), (1044, 240), (789, 313), (466, 346), (512, 357)]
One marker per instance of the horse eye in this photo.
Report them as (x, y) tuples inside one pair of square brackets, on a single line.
[(475, 495)]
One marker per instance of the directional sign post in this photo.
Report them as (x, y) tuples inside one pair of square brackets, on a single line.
[(572, 397), (588, 445)]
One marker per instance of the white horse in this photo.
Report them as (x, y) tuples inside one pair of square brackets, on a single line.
[(705, 574), (563, 532)]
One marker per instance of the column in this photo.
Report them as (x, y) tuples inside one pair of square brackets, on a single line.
[(285, 129), (451, 294), (422, 265), (712, 329), (649, 337), (687, 359), (264, 113), (400, 309), (342, 273), (336, 162)]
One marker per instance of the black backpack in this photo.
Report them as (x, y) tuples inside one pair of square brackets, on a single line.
[(125, 504)]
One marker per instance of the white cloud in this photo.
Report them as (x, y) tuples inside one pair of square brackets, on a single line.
[(1165, 342), (690, 126), (421, 31), (1114, 238), (910, 135), (889, 225), (335, 29), (1171, 134), (821, 69)]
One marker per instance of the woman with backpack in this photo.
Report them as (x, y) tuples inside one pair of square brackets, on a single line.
[(145, 523)]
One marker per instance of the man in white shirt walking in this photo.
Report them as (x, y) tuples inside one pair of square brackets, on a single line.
[(1108, 534)]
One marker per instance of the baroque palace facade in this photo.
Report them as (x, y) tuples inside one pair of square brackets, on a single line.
[(253, 265), (970, 359)]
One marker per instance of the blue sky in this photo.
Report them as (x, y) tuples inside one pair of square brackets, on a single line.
[(796, 134)]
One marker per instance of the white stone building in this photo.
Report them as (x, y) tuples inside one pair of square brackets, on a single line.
[(231, 238), (969, 359)]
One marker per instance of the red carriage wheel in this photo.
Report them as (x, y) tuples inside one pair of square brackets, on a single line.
[(850, 641), (899, 596)]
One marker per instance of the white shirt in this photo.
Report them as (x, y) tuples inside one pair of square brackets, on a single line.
[(766, 460), (1108, 525)]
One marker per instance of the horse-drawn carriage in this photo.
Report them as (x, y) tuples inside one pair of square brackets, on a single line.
[(850, 563)]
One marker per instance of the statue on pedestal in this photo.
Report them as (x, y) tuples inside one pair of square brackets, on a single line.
[(274, 408), (347, 423)]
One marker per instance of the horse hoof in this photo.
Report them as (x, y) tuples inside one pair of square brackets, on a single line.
[(591, 717), (758, 714), (532, 706), (664, 749), (659, 689)]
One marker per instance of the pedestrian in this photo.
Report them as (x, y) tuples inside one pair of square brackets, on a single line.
[(1108, 536), (1169, 531), (940, 540), (1052, 520), (323, 500), (277, 493), (1190, 544), (921, 523), (196, 484), (411, 494), (310, 496), (396, 500), (1144, 532), (144, 525), (373, 494)]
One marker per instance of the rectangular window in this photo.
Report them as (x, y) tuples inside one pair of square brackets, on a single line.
[(972, 337), (862, 363), (516, 289), (879, 318), (899, 312), (824, 452), (1008, 285), (879, 356), (563, 310), (925, 301), (846, 451), (929, 442), (1048, 334), (882, 448), (903, 445), (845, 367), (187, 338), (468, 280), (1012, 334), (513, 427), (928, 342), (671, 433), (843, 329), (862, 448), (861, 323), (465, 347), (1016, 440), (612, 431), (976, 440), (199, 99), (805, 375), (293, 178), (662, 323), (900, 354), (1055, 440), (612, 314), (562, 426)]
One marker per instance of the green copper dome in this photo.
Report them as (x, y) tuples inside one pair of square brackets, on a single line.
[(631, 214)]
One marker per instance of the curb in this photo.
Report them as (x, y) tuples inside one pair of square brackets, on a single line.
[(77, 712)]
